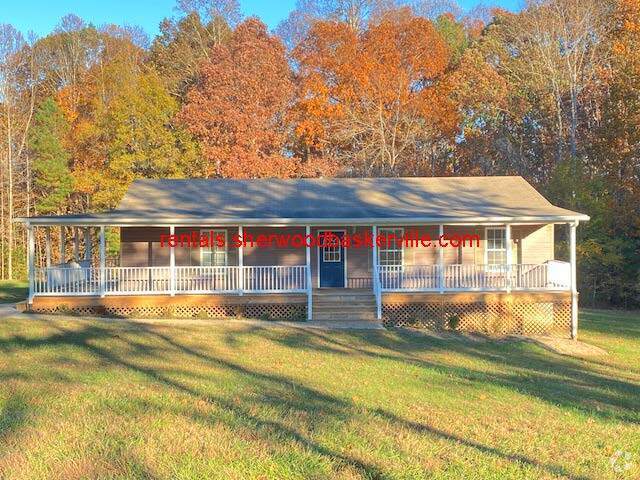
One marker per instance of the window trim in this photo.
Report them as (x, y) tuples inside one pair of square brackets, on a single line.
[(210, 249), (396, 247), (487, 249), (338, 250)]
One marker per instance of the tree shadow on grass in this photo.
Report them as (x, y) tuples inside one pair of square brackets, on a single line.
[(529, 370), (547, 377), (282, 392), (605, 322), (13, 414)]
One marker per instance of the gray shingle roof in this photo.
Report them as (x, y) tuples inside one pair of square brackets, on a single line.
[(330, 201)]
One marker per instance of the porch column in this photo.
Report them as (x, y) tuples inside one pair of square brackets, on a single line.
[(507, 235), (62, 241), (172, 260), (440, 260), (87, 244), (241, 261), (31, 254), (76, 245), (377, 288), (47, 246), (103, 255), (574, 286), (308, 273)]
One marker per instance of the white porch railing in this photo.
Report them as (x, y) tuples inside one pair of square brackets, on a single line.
[(552, 275), (275, 279), (157, 280), (66, 281), (469, 277), (127, 280)]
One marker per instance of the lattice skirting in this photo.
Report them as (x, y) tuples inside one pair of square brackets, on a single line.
[(267, 311), (515, 317)]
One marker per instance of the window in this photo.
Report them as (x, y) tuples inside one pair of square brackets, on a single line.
[(214, 255), (392, 253), (496, 250), (332, 252)]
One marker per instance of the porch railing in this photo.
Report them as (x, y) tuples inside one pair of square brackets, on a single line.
[(157, 280), (553, 275)]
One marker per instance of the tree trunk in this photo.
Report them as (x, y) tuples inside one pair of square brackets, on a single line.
[(574, 125), (9, 198), (2, 230)]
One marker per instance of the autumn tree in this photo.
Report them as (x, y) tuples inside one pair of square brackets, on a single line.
[(184, 42), (376, 101), (611, 263), (18, 75), (69, 52), (218, 15), (142, 141), (554, 49), (357, 14), (236, 108), (453, 33)]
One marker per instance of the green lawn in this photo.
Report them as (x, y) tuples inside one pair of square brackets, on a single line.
[(12, 291), (94, 399)]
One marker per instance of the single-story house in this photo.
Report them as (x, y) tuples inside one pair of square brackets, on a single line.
[(506, 281)]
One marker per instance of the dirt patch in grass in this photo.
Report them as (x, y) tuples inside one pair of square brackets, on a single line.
[(572, 348)]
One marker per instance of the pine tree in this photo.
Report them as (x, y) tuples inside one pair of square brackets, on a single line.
[(52, 178)]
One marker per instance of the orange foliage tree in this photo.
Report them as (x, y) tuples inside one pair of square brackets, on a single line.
[(235, 109), (377, 101)]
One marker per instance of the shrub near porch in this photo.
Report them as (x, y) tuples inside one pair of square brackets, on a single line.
[(90, 398)]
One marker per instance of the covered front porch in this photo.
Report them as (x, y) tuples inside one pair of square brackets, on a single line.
[(292, 273)]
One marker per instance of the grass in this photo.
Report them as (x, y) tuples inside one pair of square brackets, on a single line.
[(98, 399), (12, 291)]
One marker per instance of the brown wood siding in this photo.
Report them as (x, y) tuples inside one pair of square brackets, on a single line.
[(135, 244), (532, 244), (273, 254)]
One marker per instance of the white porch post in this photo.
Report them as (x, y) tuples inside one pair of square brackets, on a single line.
[(241, 260), (574, 286), (308, 273), (31, 262), (172, 261), (507, 235), (76, 245), (47, 246), (87, 243), (102, 272), (376, 275), (62, 241), (440, 260)]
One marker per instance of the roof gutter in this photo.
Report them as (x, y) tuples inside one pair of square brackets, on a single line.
[(281, 222)]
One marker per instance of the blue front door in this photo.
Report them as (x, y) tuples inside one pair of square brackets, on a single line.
[(331, 262)]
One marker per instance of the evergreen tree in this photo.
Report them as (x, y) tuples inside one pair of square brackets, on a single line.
[(52, 179)]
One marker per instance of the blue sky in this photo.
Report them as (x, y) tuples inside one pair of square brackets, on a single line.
[(41, 16)]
